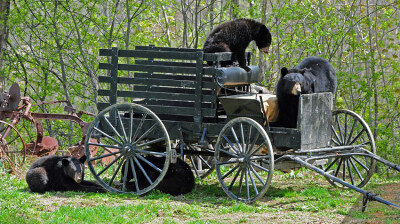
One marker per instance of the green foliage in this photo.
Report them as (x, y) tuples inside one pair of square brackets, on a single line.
[(53, 48)]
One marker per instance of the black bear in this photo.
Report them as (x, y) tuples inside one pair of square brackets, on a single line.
[(312, 75), (179, 178), (234, 36), (59, 173)]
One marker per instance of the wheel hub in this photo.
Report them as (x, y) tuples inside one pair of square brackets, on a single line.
[(129, 149)]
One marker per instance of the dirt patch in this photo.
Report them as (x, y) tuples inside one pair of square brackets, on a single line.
[(376, 212)]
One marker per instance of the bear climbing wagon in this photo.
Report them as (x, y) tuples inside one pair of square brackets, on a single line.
[(169, 103)]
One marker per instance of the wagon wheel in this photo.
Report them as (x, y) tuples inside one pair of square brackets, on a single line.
[(133, 133), (202, 165), (12, 146), (247, 175), (349, 129)]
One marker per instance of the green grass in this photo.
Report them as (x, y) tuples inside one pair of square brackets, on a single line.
[(290, 198)]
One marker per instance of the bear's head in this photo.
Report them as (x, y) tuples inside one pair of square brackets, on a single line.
[(263, 39), (291, 82), (74, 168)]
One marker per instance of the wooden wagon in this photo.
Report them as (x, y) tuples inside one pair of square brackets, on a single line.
[(166, 102)]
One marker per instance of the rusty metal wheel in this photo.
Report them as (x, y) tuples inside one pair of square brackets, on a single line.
[(135, 145), (12, 146)]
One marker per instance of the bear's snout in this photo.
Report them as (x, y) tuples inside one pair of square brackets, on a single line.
[(78, 177)]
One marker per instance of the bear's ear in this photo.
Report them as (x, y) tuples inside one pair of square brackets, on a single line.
[(284, 71), (65, 162), (83, 159)]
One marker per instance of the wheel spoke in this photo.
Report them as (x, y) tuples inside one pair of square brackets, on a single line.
[(242, 135), (253, 143), (338, 168), (205, 162), (149, 163), (130, 124), (226, 162), (134, 174), (344, 169), (143, 171), (340, 130), (194, 165), (241, 182), (247, 183), (230, 171), (163, 154), (236, 139), (105, 146), (124, 181), (113, 129), (122, 126), (228, 153), (358, 135), (361, 164), (345, 128), (257, 149), (252, 182), (336, 135), (330, 165), (234, 179), (350, 173), (146, 133), (259, 167), (109, 165), (258, 176), (248, 139), (108, 136), (103, 156), (139, 127), (115, 174), (351, 132), (151, 142), (231, 144), (355, 168)]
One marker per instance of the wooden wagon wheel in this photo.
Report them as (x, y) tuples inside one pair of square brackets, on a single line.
[(349, 129), (12, 146), (134, 133), (247, 175)]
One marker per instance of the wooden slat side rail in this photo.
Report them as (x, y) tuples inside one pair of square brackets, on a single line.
[(174, 86), (157, 54)]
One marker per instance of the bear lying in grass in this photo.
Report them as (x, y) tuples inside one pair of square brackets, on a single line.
[(235, 36), (178, 180), (59, 173)]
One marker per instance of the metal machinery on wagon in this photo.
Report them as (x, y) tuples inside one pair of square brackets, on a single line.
[(167, 102)]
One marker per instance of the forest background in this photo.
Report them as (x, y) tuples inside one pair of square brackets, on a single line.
[(50, 48)]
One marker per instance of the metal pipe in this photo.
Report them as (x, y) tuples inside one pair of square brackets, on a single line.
[(367, 195)]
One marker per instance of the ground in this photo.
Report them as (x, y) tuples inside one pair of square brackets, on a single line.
[(300, 197)]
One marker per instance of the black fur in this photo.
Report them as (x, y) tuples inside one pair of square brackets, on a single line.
[(59, 173), (235, 36), (179, 178), (315, 75)]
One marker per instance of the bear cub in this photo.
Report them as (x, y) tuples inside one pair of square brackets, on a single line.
[(235, 36), (59, 173), (312, 75), (178, 180)]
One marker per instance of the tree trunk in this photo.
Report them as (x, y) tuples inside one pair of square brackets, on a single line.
[(4, 12)]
